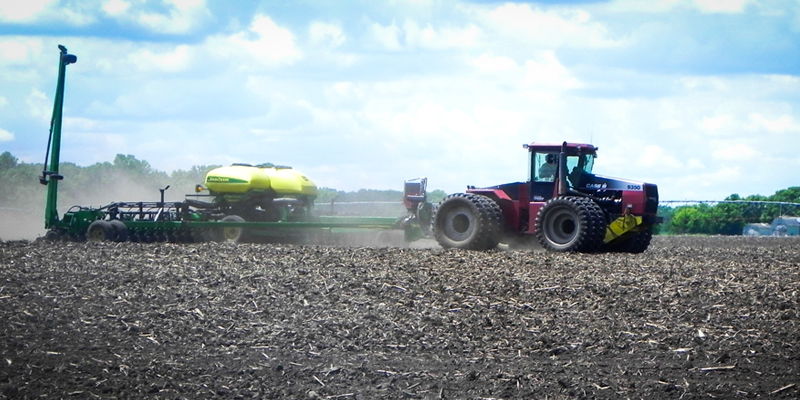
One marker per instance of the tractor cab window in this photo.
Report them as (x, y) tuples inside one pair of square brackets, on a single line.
[(545, 166), (577, 166)]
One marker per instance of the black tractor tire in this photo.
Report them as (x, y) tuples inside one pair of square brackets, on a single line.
[(636, 243), (120, 230), (100, 231), (599, 225), (570, 224), (52, 236), (230, 235), (468, 221)]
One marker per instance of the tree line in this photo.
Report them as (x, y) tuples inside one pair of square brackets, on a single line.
[(730, 217)]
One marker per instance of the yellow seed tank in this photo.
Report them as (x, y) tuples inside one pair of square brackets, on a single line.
[(242, 178)]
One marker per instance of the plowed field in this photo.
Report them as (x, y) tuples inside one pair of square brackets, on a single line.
[(691, 318)]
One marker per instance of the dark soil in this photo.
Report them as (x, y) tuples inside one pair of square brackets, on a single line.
[(691, 318)]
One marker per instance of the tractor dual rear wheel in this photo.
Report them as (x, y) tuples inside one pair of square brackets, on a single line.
[(570, 224), (468, 221)]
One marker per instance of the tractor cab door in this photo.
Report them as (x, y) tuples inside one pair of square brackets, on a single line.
[(543, 174)]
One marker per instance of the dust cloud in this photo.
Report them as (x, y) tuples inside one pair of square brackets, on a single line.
[(24, 218), (21, 223)]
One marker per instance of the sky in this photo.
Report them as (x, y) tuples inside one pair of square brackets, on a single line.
[(701, 97)]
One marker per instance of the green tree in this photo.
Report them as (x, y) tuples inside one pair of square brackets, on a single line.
[(755, 212), (436, 196), (725, 219), (185, 180), (788, 195), (667, 213), (791, 195), (692, 220), (7, 161), (130, 164)]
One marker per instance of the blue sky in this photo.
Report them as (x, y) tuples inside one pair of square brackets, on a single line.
[(698, 96)]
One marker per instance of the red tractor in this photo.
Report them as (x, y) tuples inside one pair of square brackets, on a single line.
[(563, 204)]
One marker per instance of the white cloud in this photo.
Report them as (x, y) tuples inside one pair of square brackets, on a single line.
[(19, 50), (433, 119), (115, 7), (787, 80), (170, 61), (670, 124), (74, 17), (6, 136), (24, 11), (81, 124), (524, 24), (413, 36), (695, 164), (695, 185), (664, 6), (737, 152), (728, 124), (780, 125), (703, 83), (722, 124), (265, 41), (655, 156), (387, 37), (549, 73), (723, 6), (36, 11), (724, 174), (184, 16), (444, 38), (344, 94), (3, 101), (326, 35), (497, 120), (488, 63), (38, 105)]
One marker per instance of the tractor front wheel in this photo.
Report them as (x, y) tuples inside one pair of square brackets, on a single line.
[(468, 221)]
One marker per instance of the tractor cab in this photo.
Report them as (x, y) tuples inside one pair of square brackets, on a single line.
[(554, 164)]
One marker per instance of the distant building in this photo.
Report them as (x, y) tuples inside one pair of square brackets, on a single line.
[(757, 230), (786, 226)]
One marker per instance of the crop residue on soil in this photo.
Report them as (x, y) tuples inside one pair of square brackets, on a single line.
[(689, 318)]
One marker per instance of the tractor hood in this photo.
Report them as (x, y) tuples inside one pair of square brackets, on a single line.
[(642, 196), (597, 182)]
